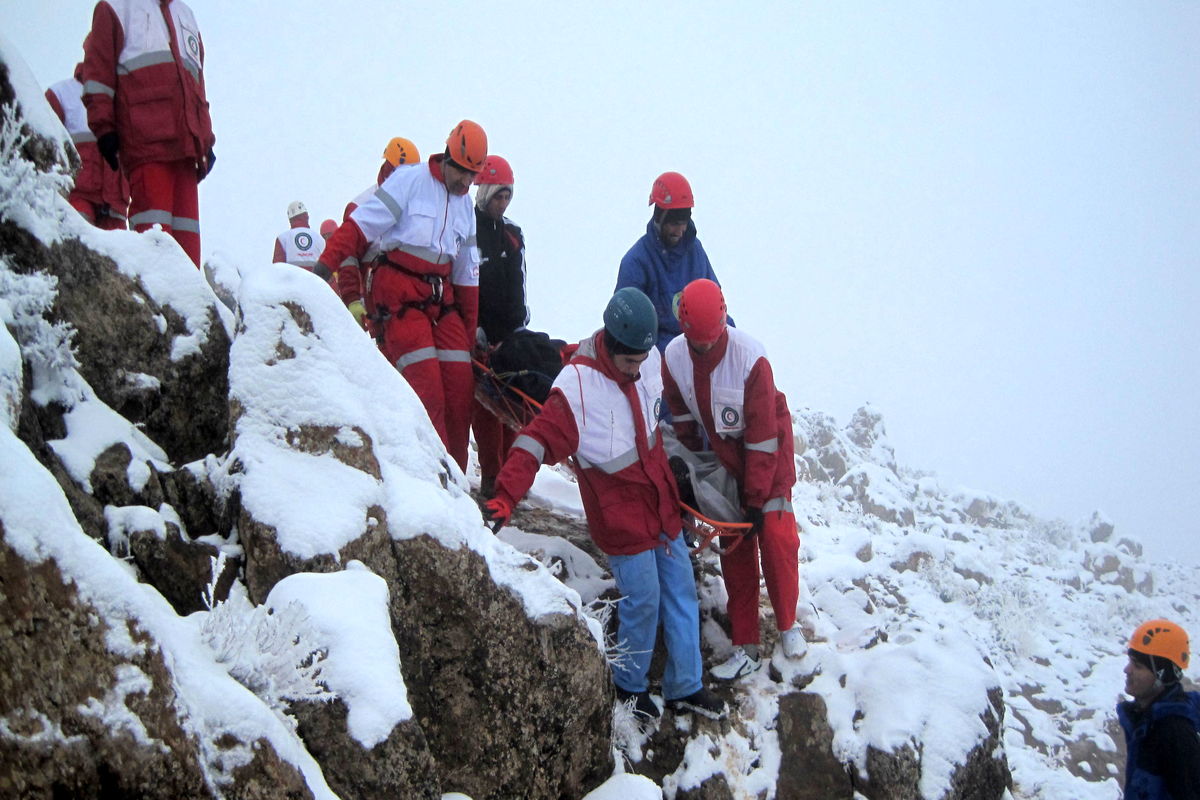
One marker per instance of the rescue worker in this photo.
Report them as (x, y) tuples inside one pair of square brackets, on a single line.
[(327, 229), (143, 86), (669, 256), (603, 412), (424, 292), (396, 153), (502, 304), (722, 397), (1162, 721), (299, 245), (100, 194)]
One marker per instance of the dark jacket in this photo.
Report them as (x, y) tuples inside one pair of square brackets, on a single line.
[(1163, 747), (502, 304)]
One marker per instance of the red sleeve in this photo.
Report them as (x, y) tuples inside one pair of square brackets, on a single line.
[(52, 99), (467, 298), (761, 436), (552, 431), (102, 47), (346, 242), (687, 430), (279, 256)]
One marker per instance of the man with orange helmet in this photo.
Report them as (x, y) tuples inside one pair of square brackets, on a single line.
[(669, 256), (1162, 721), (299, 245), (502, 306), (424, 292), (327, 229), (722, 396)]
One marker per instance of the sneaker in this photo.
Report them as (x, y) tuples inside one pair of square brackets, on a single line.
[(643, 704), (702, 702), (794, 645), (739, 664)]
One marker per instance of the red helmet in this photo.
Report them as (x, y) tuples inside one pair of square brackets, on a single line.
[(671, 190), (467, 145), (702, 311), (495, 171), (328, 227)]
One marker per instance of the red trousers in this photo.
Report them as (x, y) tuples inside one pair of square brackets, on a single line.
[(778, 547), (98, 214), (494, 439), (166, 194), (432, 352)]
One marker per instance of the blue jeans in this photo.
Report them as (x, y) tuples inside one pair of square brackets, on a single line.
[(656, 587)]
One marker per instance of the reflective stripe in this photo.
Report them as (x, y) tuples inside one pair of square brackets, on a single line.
[(149, 59), (769, 446), (617, 464), (349, 261), (454, 355), (307, 263), (152, 217), (195, 73), (416, 356), (778, 504), (83, 137), (95, 87), (684, 418), (185, 224), (390, 203), (531, 446), (423, 253)]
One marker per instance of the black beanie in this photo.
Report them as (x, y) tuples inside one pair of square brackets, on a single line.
[(669, 215), (1164, 668)]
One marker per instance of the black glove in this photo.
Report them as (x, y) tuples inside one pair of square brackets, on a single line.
[(754, 516), (108, 145), (205, 168)]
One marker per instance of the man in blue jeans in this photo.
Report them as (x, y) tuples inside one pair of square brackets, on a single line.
[(604, 410)]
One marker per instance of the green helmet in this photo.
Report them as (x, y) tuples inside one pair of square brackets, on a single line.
[(630, 318)]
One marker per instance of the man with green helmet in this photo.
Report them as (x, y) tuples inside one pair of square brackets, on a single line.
[(604, 412)]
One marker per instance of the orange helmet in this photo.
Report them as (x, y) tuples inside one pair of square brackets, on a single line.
[(401, 151), (328, 227), (495, 171), (1162, 638), (702, 311), (671, 190), (467, 145)]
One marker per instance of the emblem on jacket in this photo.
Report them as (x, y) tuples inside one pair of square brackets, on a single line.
[(658, 408), (730, 417), (304, 241)]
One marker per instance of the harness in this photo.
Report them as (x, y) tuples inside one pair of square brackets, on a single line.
[(434, 306)]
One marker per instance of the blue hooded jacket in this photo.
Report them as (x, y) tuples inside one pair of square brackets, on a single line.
[(1151, 748), (662, 272)]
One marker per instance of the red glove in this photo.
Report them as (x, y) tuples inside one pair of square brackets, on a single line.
[(501, 511)]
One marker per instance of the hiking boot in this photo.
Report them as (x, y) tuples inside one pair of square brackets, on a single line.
[(702, 702), (643, 704), (739, 664), (793, 642)]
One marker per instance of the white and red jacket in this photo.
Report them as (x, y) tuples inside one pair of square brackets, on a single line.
[(420, 229), (609, 423), (143, 77), (300, 245), (730, 392), (95, 182)]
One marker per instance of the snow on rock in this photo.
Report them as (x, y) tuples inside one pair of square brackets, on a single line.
[(362, 667)]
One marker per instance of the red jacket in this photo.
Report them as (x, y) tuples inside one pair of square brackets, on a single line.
[(143, 77), (609, 424), (95, 182), (730, 391)]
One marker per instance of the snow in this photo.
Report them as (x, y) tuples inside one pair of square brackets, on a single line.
[(350, 611), (92, 428)]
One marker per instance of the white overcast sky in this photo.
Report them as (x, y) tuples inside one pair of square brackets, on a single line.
[(982, 218)]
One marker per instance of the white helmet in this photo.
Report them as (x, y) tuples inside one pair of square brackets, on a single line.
[(296, 209)]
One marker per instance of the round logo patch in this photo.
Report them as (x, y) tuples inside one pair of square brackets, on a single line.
[(658, 408), (193, 46), (675, 304), (304, 241), (730, 416)]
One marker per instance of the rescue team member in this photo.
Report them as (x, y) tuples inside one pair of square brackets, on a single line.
[(143, 86), (669, 256), (396, 153), (502, 305), (721, 393), (327, 229), (299, 245), (424, 291), (603, 411), (1162, 721), (100, 194)]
